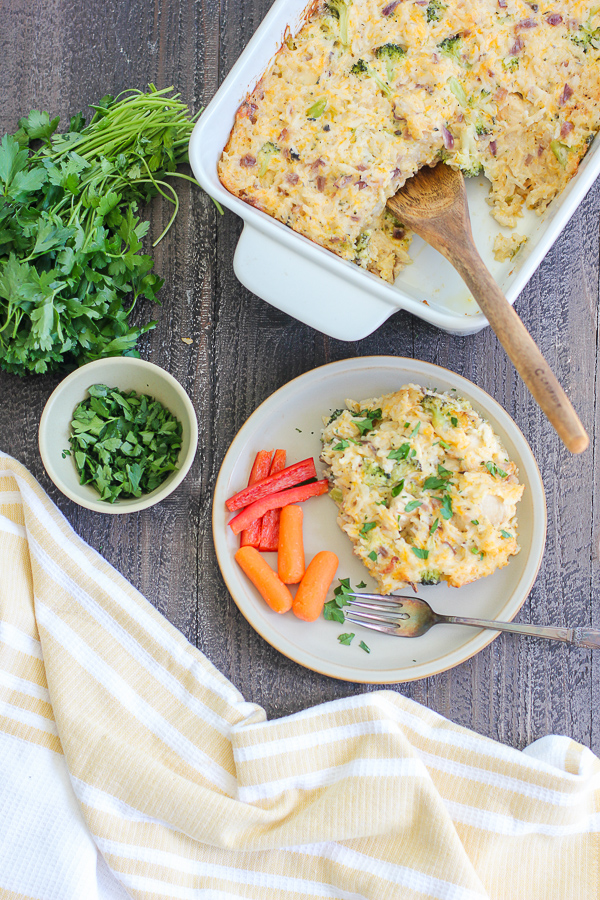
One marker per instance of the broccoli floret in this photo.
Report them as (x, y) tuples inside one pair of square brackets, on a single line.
[(339, 9), (481, 130), (430, 576), (391, 54), (374, 474), (361, 69), (452, 47), (264, 156), (334, 415), (467, 157), (586, 38), (361, 245), (511, 64), (435, 11), (439, 408)]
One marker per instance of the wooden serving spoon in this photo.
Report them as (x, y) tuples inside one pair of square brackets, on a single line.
[(433, 203)]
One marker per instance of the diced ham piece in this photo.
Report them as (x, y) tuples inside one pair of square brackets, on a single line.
[(320, 183), (567, 93), (554, 19), (389, 9), (565, 129), (247, 161)]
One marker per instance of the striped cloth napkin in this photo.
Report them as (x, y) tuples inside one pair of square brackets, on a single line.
[(129, 767)]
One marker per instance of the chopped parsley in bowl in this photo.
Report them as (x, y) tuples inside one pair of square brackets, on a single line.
[(118, 435), (123, 443)]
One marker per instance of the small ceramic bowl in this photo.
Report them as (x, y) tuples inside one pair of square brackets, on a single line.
[(127, 374)]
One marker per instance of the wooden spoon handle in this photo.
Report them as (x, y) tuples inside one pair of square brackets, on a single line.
[(520, 347)]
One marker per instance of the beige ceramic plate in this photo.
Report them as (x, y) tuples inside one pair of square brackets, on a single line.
[(291, 419)]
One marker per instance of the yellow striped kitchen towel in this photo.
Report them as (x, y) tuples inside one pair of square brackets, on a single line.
[(129, 767)]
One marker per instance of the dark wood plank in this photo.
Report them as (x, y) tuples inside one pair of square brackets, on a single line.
[(61, 55)]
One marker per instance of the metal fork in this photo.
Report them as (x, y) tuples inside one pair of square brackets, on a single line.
[(412, 617)]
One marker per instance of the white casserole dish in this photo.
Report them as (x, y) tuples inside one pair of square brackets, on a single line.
[(330, 294)]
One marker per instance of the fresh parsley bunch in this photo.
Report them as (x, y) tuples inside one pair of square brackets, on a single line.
[(70, 263)]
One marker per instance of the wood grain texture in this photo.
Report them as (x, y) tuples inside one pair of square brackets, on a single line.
[(60, 55)]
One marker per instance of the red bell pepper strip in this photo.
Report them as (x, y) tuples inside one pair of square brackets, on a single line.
[(261, 467), (287, 478), (269, 532), (275, 501)]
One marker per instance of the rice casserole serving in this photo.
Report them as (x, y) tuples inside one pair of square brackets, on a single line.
[(425, 490), (369, 91)]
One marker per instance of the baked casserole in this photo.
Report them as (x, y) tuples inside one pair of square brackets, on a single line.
[(368, 92), (425, 490)]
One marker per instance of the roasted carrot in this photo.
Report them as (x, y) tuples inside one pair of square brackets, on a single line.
[(276, 501), (269, 529), (264, 579), (312, 590), (296, 474), (290, 549), (260, 469)]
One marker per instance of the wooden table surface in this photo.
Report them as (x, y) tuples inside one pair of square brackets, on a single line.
[(61, 55)]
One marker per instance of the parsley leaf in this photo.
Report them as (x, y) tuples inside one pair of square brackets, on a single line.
[(346, 638), (401, 453), (372, 556), (495, 470), (505, 534), (368, 526), (397, 489), (422, 554), (364, 647), (412, 504), (434, 527), (446, 509)]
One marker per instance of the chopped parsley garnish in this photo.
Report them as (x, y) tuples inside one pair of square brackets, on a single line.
[(346, 638), (434, 527), (432, 483), (398, 488), (475, 550), (444, 444), (444, 473), (123, 444), (447, 506), (454, 421), (373, 556), (474, 521), (333, 608), (494, 470), (361, 585), (415, 429), (401, 453), (422, 554), (366, 424), (368, 526), (364, 647), (505, 534), (412, 504), (341, 446)]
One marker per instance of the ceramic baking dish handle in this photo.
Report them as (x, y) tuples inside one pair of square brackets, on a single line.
[(306, 290)]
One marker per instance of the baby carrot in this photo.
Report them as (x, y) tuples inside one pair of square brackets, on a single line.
[(290, 549), (312, 590), (264, 579)]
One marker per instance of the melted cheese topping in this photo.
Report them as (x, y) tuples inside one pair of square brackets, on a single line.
[(425, 490), (338, 124)]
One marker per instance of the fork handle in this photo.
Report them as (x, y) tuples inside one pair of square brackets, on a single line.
[(581, 637)]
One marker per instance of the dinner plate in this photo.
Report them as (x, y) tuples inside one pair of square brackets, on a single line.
[(292, 418)]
